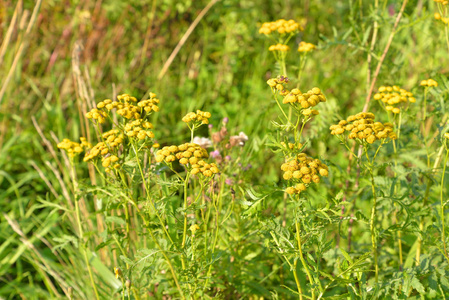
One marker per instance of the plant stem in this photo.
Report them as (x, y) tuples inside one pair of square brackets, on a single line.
[(295, 274), (184, 233), (301, 257), (217, 206), (80, 230), (373, 228), (443, 236)]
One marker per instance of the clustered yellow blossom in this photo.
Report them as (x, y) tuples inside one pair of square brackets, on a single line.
[(438, 17), (306, 47), (127, 106), (139, 129), (429, 83), (188, 154), (303, 170), (363, 128), (73, 148), (279, 47), (185, 153), (199, 116), (151, 104), (281, 26), (305, 101), (446, 135), (97, 114), (277, 84), (443, 2), (111, 141), (393, 95)]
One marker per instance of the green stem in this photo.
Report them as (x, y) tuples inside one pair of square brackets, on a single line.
[(301, 257), (443, 237), (80, 231), (298, 284), (280, 107), (217, 227), (128, 222), (373, 229)]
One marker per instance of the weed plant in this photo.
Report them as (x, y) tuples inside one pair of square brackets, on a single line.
[(292, 151)]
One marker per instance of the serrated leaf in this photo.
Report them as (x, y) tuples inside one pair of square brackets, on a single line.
[(346, 255), (417, 285)]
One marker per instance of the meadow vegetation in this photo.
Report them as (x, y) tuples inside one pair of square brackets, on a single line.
[(224, 149)]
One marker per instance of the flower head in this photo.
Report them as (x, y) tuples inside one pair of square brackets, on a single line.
[(199, 116), (306, 47), (362, 128), (302, 170), (279, 47), (391, 96), (305, 101), (280, 26), (72, 148), (429, 83)]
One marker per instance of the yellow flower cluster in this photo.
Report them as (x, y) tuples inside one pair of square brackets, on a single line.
[(204, 168), (277, 84), (108, 160), (112, 139), (429, 83), (279, 47), (97, 114), (446, 135), (188, 153), (443, 2), (303, 170), (125, 107), (393, 95), (438, 17), (199, 116), (281, 26), (362, 127), (306, 47), (305, 100), (73, 148), (150, 104), (139, 128)]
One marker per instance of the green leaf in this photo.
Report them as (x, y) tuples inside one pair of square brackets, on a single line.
[(417, 285), (114, 219)]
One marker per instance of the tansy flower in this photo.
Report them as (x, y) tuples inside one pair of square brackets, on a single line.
[(280, 26), (277, 85), (302, 170), (279, 47), (199, 116), (304, 102), (362, 128), (306, 47), (429, 83), (72, 148), (393, 95), (189, 154)]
